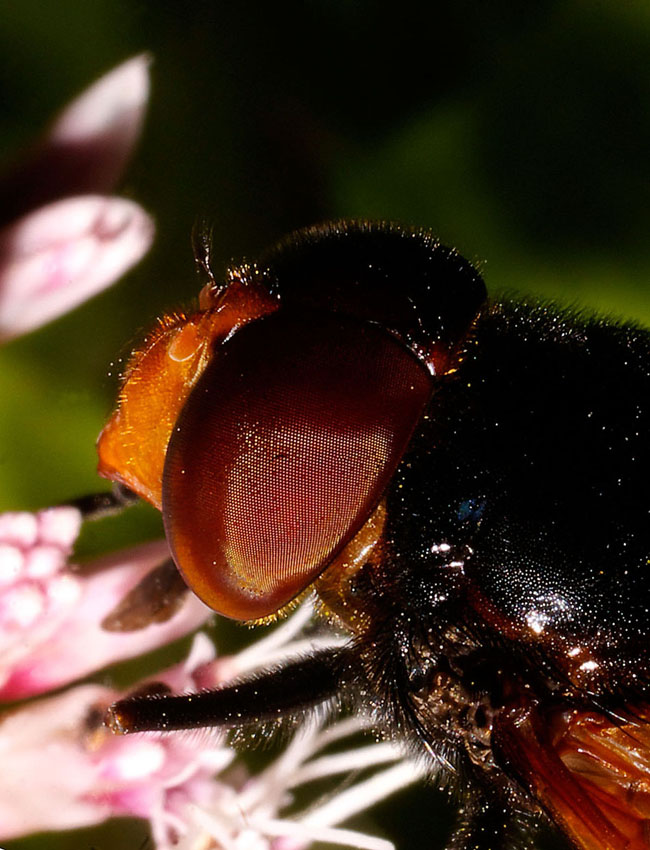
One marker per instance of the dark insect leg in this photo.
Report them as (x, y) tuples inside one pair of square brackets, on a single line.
[(268, 696), (99, 505)]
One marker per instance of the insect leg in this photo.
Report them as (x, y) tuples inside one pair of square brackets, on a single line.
[(277, 693), (98, 505)]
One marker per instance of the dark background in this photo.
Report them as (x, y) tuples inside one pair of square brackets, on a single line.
[(520, 133)]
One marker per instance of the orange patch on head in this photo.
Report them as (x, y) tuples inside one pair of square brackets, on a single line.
[(158, 380)]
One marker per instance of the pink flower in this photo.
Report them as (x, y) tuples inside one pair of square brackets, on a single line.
[(51, 614), (61, 239), (91, 774), (53, 630), (177, 780)]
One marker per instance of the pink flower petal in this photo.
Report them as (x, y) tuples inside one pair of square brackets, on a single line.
[(65, 640), (12, 564), (50, 767), (58, 527), (62, 769), (103, 124), (55, 258), (19, 528), (36, 544), (87, 147)]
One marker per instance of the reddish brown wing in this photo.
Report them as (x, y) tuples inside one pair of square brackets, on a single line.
[(591, 773)]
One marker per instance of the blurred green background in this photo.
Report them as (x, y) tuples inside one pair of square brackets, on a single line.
[(520, 133)]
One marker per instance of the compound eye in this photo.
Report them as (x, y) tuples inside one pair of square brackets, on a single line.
[(281, 452)]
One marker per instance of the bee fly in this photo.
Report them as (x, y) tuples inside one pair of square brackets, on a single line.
[(464, 483)]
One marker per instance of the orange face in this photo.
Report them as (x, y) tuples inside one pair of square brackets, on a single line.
[(158, 380)]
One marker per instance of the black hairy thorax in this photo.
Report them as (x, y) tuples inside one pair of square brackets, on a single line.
[(505, 545)]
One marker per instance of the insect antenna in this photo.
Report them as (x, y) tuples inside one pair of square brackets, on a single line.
[(202, 249)]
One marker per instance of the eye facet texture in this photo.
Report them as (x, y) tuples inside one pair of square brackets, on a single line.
[(282, 450)]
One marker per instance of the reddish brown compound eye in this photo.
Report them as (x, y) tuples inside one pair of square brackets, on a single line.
[(282, 450)]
